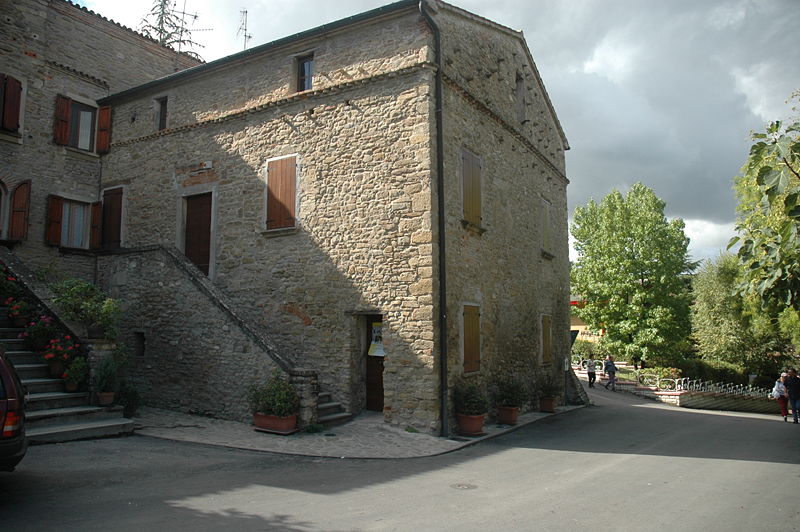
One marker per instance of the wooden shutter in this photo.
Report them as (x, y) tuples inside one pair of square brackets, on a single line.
[(55, 212), (472, 338), (61, 126), (20, 205), (471, 183), (112, 218), (11, 98), (281, 193), (547, 339), (103, 129), (95, 234)]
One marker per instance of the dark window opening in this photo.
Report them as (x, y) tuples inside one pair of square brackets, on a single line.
[(139, 344), (162, 112), (305, 67)]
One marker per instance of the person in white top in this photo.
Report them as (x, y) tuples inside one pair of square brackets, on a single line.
[(779, 394), (590, 370)]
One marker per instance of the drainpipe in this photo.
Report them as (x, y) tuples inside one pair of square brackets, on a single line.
[(443, 388)]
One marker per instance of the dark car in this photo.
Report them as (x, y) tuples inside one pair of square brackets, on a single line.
[(13, 442)]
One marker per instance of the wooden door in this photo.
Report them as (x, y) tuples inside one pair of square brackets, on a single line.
[(112, 218), (197, 242), (374, 372)]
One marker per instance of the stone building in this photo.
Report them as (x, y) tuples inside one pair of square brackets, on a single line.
[(376, 206), (56, 60)]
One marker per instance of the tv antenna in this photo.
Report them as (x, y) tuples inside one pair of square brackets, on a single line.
[(183, 29), (243, 28)]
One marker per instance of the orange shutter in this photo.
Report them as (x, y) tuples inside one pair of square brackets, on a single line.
[(20, 204), (103, 129), (95, 233), (281, 193), (55, 211), (471, 183), (472, 338), (11, 98), (61, 126)]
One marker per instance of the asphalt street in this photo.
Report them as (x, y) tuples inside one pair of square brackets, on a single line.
[(624, 464)]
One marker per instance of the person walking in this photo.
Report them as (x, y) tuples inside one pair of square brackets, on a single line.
[(792, 385), (590, 370), (610, 369), (779, 394)]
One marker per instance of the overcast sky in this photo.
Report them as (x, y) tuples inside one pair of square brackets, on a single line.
[(664, 92)]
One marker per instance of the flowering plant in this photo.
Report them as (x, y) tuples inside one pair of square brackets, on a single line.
[(9, 287), (40, 331), (17, 308), (61, 349), (78, 371)]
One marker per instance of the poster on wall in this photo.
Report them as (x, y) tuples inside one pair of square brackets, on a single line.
[(376, 343)]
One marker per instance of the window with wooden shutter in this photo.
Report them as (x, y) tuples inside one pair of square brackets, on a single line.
[(547, 340), (471, 186), (10, 102), (96, 217), (281, 193), (61, 125), (55, 210), (112, 218), (472, 338), (103, 129), (20, 205)]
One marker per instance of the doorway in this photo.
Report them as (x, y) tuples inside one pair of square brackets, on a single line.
[(374, 354), (197, 233)]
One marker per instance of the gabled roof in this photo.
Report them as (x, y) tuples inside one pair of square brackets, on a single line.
[(261, 49)]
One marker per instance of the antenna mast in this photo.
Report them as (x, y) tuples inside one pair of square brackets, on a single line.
[(243, 28)]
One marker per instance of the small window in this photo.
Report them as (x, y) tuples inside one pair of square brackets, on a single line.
[(73, 224), (471, 186), (161, 113), (472, 338), (76, 123), (10, 103), (305, 71), (546, 352), (281, 193), (546, 223)]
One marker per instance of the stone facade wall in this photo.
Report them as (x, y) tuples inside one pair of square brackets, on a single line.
[(249, 79), (188, 352), (505, 266), (363, 239), (58, 48)]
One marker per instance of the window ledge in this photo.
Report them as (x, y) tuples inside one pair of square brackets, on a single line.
[(10, 136), (270, 233), (547, 255), (473, 228), (75, 251), (81, 154)]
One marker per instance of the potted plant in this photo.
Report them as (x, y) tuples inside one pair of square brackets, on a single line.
[(58, 353), (548, 393), (510, 396), (76, 375), (106, 380), (18, 311), (274, 404), (470, 405), (89, 305), (39, 332)]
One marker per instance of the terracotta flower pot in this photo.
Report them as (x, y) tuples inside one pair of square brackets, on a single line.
[(470, 425), (507, 415), (547, 404), (70, 386), (275, 423), (105, 398)]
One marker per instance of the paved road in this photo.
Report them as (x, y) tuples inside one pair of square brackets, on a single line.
[(625, 464)]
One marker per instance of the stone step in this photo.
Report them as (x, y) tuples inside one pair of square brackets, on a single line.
[(10, 333), (13, 344), (49, 400), (324, 397), (331, 407), (32, 371), (24, 357), (73, 414), (80, 430), (43, 385), (332, 420)]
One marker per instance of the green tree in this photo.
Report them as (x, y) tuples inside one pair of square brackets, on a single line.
[(769, 218), (166, 25), (730, 328), (629, 272)]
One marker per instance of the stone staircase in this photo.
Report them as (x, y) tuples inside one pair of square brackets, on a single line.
[(53, 415), (329, 412)]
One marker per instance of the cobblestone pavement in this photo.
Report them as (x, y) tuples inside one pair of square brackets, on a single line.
[(367, 436)]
